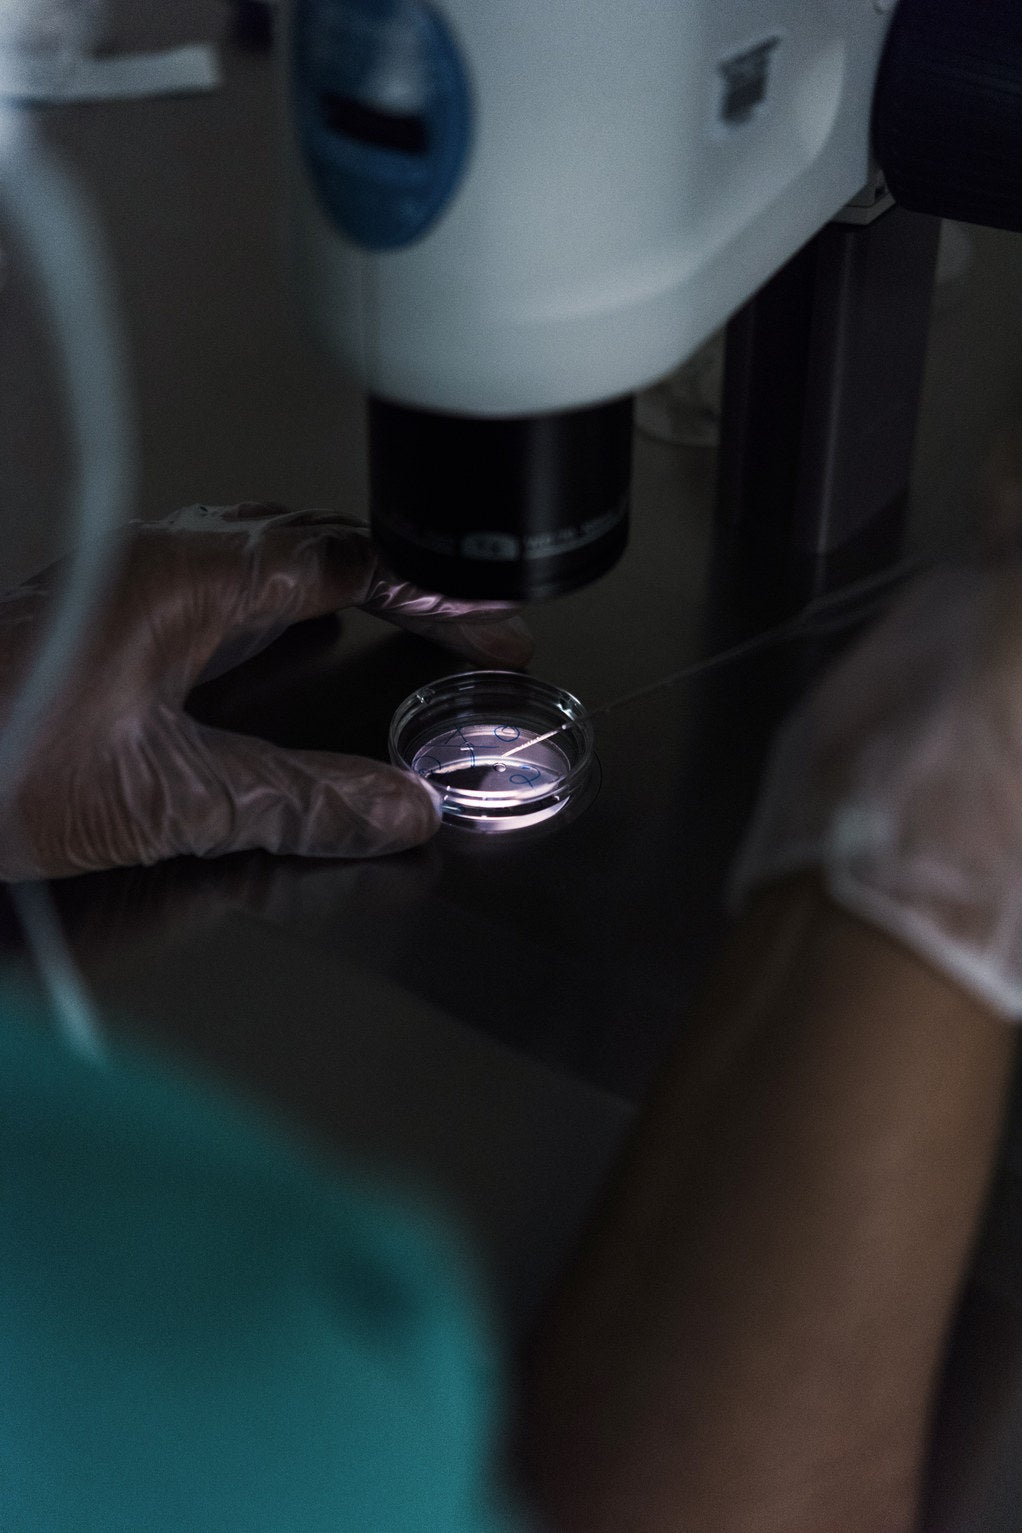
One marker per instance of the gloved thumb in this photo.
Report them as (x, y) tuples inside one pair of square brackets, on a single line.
[(246, 793)]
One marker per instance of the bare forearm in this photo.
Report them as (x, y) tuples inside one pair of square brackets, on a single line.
[(750, 1339)]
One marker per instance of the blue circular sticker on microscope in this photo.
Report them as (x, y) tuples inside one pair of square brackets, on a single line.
[(383, 112)]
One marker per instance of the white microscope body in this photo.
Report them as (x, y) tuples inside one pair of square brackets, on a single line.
[(524, 211), (629, 174)]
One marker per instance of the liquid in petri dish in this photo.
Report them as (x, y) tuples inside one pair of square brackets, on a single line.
[(510, 753), (497, 757)]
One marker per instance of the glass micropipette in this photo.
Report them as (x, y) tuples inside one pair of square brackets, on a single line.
[(790, 628)]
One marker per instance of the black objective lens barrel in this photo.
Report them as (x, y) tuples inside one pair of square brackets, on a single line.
[(515, 509)]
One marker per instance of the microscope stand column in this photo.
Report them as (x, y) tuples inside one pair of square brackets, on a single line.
[(823, 379)]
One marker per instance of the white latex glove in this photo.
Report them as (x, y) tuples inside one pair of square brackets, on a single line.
[(120, 774), (900, 778)]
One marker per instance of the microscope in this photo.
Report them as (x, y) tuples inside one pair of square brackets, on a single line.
[(509, 216)]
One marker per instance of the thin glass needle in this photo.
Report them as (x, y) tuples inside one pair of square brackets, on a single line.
[(819, 606), (788, 629), (537, 740), (490, 761)]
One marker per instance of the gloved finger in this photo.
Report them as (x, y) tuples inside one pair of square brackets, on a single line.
[(486, 631), (294, 566), (217, 601), (305, 516), (217, 519), (483, 631), (244, 642), (245, 793), (210, 518), (504, 642), (276, 534), (387, 595), (253, 510), (328, 516)]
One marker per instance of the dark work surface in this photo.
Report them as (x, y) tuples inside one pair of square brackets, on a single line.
[(580, 948), (479, 1013), (579, 951)]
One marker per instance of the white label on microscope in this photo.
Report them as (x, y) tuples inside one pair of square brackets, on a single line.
[(743, 83), (542, 545), (496, 546)]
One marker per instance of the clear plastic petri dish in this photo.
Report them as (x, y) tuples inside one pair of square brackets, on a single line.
[(508, 752)]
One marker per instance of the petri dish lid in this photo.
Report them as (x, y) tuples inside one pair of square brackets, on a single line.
[(509, 753)]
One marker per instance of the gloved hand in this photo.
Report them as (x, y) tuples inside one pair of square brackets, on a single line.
[(900, 777), (119, 774)]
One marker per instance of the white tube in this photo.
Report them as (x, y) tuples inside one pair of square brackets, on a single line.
[(55, 230)]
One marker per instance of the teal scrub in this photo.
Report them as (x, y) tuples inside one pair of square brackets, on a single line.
[(201, 1329)]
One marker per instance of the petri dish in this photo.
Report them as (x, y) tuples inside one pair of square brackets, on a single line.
[(509, 753)]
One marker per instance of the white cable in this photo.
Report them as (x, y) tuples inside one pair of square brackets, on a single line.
[(79, 1022), (55, 229)]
